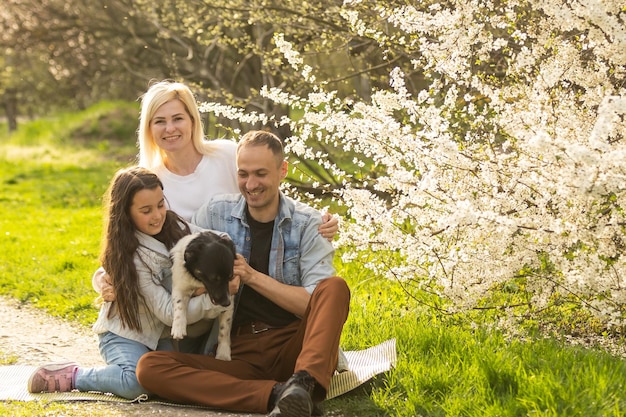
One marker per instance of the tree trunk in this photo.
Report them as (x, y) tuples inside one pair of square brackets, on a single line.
[(10, 108)]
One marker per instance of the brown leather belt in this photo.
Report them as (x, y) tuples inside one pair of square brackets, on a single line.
[(254, 327)]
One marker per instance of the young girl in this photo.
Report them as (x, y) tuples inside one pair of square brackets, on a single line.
[(138, 234)]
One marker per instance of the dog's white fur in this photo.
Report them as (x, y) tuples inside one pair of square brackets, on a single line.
[(183, 286)]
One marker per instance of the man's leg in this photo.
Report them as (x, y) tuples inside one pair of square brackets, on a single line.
[(200, 379), (314, 351), (314, 348)]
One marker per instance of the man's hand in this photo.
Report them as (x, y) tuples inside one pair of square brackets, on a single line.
[(292, 298), (329, 226), (233, 285), (243, 271)]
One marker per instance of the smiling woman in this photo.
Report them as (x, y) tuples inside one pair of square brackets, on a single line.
[(172, 145), (171, 128)]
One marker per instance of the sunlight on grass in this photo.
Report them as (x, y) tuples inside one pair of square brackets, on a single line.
[(62, 409), (7, 358), (51, 226), (50, 154)]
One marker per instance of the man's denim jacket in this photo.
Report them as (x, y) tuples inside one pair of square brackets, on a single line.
[(299, 255)]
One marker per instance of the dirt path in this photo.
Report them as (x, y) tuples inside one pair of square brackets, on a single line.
[(35, 338)]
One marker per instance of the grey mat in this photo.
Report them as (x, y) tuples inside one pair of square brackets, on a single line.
[(363, 365)]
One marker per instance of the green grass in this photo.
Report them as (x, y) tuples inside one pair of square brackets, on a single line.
[(50, 228), (50, 209), (59, 409)]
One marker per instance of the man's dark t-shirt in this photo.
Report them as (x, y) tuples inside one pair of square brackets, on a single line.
[(252, 305)]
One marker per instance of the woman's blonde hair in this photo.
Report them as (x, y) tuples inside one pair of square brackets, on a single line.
[(159, 93)]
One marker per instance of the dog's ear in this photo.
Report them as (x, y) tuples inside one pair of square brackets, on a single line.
[(227, 241), (192, 251)]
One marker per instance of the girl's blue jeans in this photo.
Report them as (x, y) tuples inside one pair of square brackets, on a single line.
[(118, 376)]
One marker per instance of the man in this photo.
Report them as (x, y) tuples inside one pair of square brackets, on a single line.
[(290, 311)]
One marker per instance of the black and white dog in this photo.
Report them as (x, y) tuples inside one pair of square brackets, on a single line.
[(203, 259)]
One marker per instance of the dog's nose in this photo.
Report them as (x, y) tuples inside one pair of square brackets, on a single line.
[(222, 301)]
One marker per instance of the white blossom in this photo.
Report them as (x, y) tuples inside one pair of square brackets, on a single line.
[(536, 175)]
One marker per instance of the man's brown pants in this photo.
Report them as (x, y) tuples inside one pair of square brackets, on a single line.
[(259, 360)]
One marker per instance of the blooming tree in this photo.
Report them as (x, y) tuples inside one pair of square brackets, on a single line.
[(506, 171)]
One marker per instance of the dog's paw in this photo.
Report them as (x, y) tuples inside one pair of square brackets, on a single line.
[(223, 353), (179, 332)]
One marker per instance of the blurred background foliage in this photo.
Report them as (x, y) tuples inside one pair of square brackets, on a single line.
[(70, 54)]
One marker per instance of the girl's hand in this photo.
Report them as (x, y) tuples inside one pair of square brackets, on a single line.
[(198, 291), (107, 292)]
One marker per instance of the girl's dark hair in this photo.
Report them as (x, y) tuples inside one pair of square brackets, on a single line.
[(120, 243)]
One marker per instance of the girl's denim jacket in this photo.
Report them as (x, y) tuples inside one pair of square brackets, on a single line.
[(299, 255)]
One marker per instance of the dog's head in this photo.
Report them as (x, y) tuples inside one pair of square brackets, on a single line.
[(209, 258)]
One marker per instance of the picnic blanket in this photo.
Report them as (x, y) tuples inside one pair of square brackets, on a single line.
[(363, 365)]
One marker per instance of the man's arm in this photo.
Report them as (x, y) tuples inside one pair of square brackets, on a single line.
[(202, 216), (315, 254), (292, 298)]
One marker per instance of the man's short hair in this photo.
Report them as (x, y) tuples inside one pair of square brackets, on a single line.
[(263, 138)]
